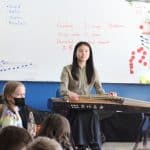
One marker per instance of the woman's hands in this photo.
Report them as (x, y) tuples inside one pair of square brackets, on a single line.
[(76, 97), (73, 96), (112, 94)]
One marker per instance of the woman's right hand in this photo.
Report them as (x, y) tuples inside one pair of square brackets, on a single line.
[(73, 96)]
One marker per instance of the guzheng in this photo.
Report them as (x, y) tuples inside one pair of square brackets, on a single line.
[(103, 103), (97, 98)]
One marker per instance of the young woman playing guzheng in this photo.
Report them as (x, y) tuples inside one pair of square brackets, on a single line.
[(78, 79)]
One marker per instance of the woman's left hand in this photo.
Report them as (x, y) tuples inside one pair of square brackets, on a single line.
[(112, 94)]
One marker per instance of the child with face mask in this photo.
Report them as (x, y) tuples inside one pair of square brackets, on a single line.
[(14, 98)]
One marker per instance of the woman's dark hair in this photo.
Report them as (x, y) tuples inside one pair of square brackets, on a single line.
[(89, 63)]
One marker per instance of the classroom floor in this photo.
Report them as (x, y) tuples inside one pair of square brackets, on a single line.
[(123, 146)]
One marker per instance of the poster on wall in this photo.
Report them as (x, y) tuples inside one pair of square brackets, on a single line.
[(37, 38)]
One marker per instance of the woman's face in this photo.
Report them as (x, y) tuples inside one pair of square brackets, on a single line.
[(83, 53)]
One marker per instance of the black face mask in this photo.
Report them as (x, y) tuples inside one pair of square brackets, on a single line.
[(19, 102)]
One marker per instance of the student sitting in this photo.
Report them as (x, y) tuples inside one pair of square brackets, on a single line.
[(14, 97)]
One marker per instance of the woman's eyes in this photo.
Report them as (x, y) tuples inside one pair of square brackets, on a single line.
[(83, 51)]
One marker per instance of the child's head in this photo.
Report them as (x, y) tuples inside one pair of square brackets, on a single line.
[(44, 143), (58, 127), (55, 126), (14, 92), (14, 138)]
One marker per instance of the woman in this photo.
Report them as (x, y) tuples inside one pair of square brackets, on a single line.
[(14, 97), (80, 77), (57, 127), (77, 79)]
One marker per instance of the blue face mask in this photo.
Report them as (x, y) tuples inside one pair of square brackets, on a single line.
[(20, 102)]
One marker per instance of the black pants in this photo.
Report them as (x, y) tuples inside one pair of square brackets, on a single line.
[(85, 126)]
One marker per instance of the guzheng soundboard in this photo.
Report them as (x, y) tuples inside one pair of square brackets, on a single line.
[(103, 103)]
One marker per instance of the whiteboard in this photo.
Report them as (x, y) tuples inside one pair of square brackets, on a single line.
[(37, 38)]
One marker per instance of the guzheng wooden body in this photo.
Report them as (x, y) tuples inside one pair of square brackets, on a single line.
[(103, 103)]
